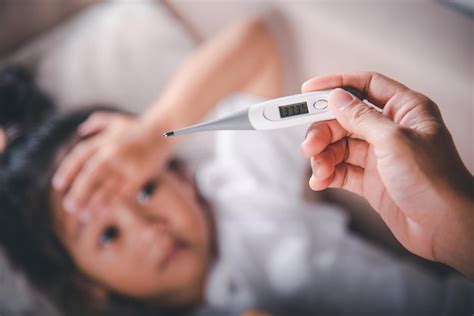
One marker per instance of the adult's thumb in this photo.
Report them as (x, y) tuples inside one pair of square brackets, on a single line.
[(358, 118)]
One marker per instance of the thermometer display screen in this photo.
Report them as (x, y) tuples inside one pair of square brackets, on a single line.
[(293, 109)]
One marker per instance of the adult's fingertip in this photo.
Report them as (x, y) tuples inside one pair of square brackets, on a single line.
[(84, 129), (311, 183), (340, 98), (306, 149), (304, 143), (303, 149), (314, 142), (316, 184), (306, 86), (318, 172), (58, 183)]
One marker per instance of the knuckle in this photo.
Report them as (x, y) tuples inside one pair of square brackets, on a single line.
[(68, 167), (425, 103), (366, 73), (314, 163), (78, 150), (81, 149), (119, 120), (90, 171), (312, 131), (102, 168), (312, 127), (358, 112), (326, 132), (345, 175), (76, 197), (99, 115), (376, 74), (370, 75), (331, 154)]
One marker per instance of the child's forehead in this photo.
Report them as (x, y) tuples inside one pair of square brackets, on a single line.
[(61, 220)]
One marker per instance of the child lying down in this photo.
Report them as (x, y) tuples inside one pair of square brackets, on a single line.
[(240, 237)]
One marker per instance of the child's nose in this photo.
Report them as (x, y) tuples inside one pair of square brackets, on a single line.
[(141, 218), (141, 230)]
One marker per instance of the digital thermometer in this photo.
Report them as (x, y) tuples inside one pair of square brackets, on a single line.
[(282, 112)]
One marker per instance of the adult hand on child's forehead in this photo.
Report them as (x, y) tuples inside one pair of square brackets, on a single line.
[(112, 161)]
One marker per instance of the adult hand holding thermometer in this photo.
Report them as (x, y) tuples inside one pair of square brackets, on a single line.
[(402, 159), (282, 112)]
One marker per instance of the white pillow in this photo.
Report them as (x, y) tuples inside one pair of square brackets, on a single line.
[(119, 53)]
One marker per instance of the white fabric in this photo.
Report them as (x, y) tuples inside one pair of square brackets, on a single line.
[(279, 253)]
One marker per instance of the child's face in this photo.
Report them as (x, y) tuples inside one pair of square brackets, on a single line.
[(158, 250)]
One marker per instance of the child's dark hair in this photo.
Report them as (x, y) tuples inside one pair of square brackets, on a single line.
[(36, 132)]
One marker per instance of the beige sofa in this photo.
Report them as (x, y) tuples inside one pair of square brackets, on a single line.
[(40, 16)]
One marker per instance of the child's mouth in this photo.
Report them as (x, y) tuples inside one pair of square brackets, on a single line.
[(177, 248)]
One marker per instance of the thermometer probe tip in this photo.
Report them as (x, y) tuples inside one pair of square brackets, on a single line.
[(168, 134)]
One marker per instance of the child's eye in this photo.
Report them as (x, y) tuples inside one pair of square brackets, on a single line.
[(146, 192), (110, 234)]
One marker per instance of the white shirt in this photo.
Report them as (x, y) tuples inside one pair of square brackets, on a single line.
[(282, 254)]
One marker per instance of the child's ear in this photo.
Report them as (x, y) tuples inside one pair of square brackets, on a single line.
[(92, 289)]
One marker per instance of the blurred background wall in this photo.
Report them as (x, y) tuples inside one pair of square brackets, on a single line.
[(426, 44), (23, 20)]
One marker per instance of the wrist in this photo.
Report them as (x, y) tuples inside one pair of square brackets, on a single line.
[(455, 245), (150, 135), (159, 120)]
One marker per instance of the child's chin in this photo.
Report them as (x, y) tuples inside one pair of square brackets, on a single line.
[(189, 271)]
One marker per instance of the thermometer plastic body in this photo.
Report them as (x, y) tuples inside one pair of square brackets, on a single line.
[(282, 112)]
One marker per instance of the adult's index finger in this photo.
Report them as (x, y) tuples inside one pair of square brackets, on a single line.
[(375, 87)]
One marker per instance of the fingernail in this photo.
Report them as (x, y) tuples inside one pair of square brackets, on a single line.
[(303, 86), (315, 165), (340, 98)]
